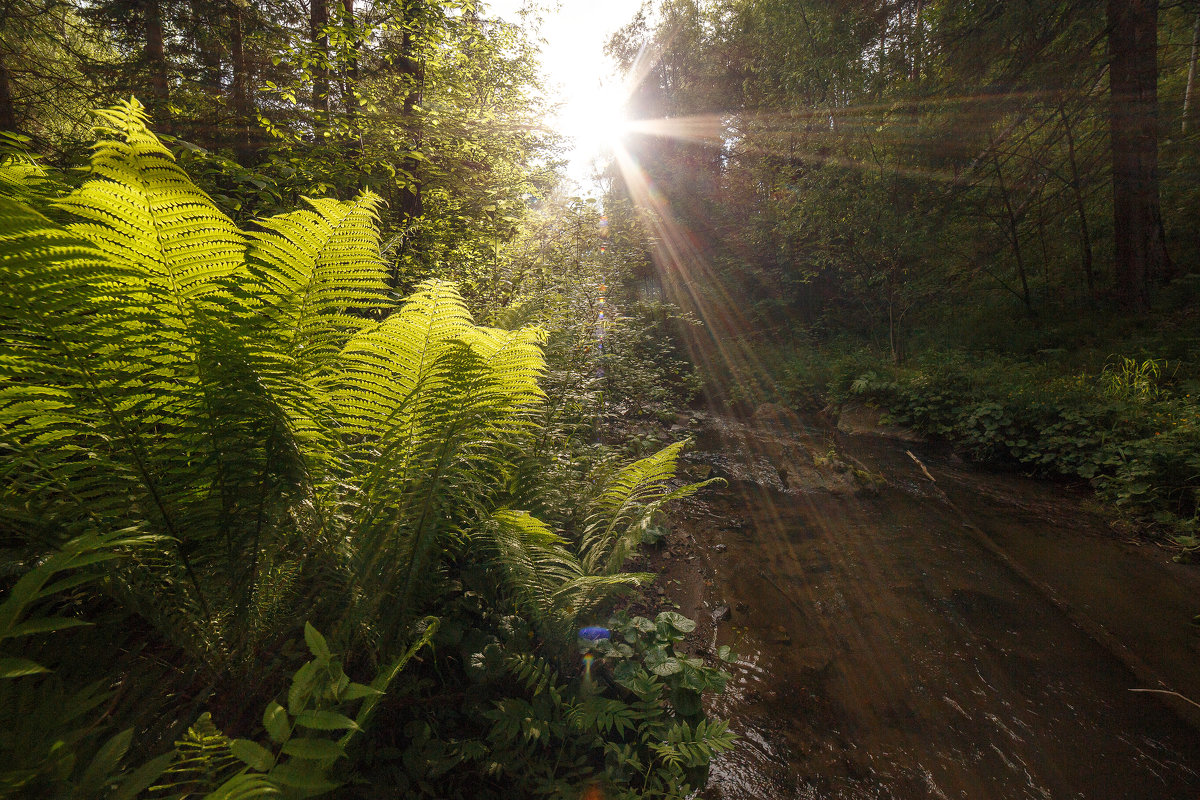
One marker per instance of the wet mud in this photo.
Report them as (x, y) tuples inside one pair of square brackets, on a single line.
[(910, 627)]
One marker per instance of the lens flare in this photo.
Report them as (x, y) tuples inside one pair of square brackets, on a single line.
[(594, 633)]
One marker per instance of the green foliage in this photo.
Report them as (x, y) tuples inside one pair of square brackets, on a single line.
[(1134, 439), (251, 433), (632, 723), (1129, 379)]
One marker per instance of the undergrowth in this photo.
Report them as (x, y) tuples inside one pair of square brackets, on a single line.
[(267, 529), (1130, 426)]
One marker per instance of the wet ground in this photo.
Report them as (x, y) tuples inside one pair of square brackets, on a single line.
[(910, 627)]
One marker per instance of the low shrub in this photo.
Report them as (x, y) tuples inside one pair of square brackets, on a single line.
[(1133, 435)]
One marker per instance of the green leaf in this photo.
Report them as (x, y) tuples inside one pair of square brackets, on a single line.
[(357, 691), (677, 621), (316, 643), (303, 682), (141, 778), (105, 762), (325, 721), (275, 720), (252, 754), (247, 786), (19, 667), (669, 667), (46, 625), (315, 749), (307, 777)]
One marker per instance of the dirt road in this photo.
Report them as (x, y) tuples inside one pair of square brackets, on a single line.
[(913, 628)]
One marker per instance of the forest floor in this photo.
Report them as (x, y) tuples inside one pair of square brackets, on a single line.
[(909, 626)]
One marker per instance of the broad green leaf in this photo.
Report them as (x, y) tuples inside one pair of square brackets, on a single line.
[(302, 685), (325, 721), (141, 778), (46, 625), (307, 777), (668, 667), (677, 621), (315, 749), (105, 762), (19, 667), (357, 691), (252, 754), (275, 720), (316, 643)]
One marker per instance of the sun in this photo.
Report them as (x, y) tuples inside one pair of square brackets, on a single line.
[(594, 119)]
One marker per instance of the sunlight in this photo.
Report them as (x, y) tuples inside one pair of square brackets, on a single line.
[(594, 120)]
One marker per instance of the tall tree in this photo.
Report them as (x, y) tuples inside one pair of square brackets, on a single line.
[(240, 87), (1139, 244), (8, 114), (156, 61), (318, 21)]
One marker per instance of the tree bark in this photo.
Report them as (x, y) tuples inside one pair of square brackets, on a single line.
[(1141, 251), (8, 111), (413, 68), (156, 59), (350, 73), (1191, 81), (1014, 234), (318, 20), (241, 82)]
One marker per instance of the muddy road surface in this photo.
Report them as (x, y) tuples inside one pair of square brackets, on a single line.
[(910, 627)]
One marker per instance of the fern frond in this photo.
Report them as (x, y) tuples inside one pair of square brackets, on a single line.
[(203, 762), (628, 503), (428, 402), (536, 674), (142, 210), (318, 267), (583, 593), (132, 391), (534, 561)]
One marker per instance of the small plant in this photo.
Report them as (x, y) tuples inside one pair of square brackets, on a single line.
[(1129, 379), (632, 723)]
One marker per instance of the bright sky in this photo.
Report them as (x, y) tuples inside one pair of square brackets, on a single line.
[(573, 59)]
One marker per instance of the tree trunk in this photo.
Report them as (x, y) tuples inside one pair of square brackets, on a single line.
[(8, 112), (156, 59), (241, 80), (205, 24), (1191, 81), (1014, 234), (350, 73), (318, 20), (413, 68), (1141, 251)]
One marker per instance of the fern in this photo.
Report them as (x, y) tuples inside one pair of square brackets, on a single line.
[(627, 505), (318, 268), (202, 762), (279, 437)]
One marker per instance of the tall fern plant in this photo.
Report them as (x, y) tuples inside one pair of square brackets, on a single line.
[(164, 372), (228, 433), (308, 446)]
